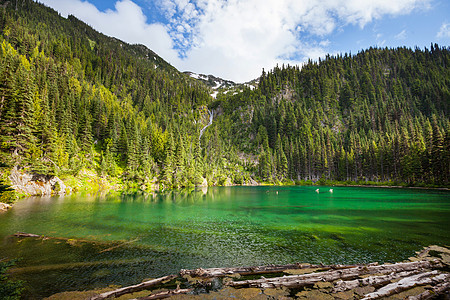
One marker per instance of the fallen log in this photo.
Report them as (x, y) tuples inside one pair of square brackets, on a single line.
[(432, 292), (407, 283), (71, 240), (165, 294), (341, 286), (24, 234), (134, 288), (340, 280), (296, 281), (120, 245), (221, 272)]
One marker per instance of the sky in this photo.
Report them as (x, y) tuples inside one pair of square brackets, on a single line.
[(236, 39)]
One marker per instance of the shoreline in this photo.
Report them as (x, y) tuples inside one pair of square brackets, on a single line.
[(424, 276)]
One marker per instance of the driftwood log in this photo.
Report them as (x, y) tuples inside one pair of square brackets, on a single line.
[(433, 292), (43, 237), (24, 234), (296, 281), (269, 269), (342, 286), (428, 270), (371, 281), (409, 282), (134, 288)]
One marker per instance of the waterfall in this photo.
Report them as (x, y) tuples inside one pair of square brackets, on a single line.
[(211, 114)]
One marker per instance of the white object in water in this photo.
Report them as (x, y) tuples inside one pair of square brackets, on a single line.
[(331, 190), (317, 191)]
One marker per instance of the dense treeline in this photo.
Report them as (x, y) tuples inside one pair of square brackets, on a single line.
[(72, 98), (381, 115)]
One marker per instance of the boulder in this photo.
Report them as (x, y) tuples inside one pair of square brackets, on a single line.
[(4, 206)]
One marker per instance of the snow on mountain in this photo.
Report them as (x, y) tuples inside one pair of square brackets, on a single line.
[(219, 85)]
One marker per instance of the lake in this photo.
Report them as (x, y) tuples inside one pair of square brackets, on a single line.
[(102, 240)]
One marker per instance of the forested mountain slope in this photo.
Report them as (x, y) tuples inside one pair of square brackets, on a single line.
[(380, 115), (72, 99)]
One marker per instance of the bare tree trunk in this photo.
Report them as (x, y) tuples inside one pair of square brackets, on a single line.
[(407, 283), (342, 286), (431, 293), (221, 272), (296, 281), (133, 288)]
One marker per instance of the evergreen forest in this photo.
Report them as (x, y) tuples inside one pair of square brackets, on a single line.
[(73, 99)]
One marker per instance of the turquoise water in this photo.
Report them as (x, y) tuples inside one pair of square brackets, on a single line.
[(217, 227)]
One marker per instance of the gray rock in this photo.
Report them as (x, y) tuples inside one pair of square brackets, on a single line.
[(4, 206), (36, 184)]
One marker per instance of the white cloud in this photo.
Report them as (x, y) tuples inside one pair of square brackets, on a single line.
[(126, 22), (401, 35), (444, 31), (362, 12), (324, 43), (235, 39)]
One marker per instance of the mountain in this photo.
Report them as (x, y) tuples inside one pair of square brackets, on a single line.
[(74, 102), (219, 85), (378, 116)]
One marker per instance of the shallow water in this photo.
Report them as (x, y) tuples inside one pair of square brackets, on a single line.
[(217, 227)]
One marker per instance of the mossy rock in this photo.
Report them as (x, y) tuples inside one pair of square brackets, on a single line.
[(314, 294), (345, 295)]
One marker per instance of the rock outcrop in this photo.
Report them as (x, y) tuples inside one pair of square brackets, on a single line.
[(204, 183), (37, 184), (4, 206)]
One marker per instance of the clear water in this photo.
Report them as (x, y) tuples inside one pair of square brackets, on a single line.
[(218, 227)]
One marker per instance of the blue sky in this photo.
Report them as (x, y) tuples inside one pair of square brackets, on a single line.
[(235, 39)]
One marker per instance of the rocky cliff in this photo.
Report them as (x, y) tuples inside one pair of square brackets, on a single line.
[(37, 184)]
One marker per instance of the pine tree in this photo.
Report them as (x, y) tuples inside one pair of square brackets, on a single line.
[(437, 151), (168, 165)]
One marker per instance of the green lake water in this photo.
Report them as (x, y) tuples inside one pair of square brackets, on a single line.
[(217, 227)]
